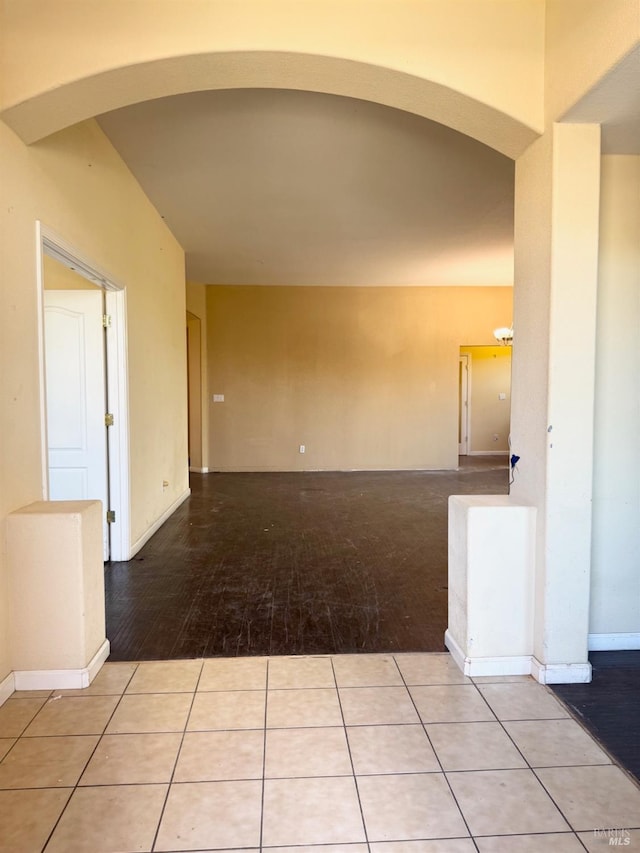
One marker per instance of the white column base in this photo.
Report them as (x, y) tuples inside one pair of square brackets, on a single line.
[(558, 673), (61, 679), (561, 673), (517, 665)]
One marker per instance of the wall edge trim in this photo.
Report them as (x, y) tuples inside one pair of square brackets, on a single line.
[(62, 679), (137, 545), (7, 686)]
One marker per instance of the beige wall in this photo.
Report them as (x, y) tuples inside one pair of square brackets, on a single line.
[(490, 376), (584, 39), (76, 184), (477, 66), (365, 378), (615, 582)]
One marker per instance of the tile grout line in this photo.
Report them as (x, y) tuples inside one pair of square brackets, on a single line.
[(264, 758), (175, 763), (548, 793), (77, 785), (524, 758), (437, 757), (37, 713), (195, 692), (353, 769), (532, 769)]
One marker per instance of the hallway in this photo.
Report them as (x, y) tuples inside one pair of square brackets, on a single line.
[(293, 564)]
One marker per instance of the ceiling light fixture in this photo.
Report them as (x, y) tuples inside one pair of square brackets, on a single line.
[(504, 335)]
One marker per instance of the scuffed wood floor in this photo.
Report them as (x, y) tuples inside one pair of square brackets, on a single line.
[(295, 563)]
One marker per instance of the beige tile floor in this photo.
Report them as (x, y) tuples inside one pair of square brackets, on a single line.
[(345, 754)]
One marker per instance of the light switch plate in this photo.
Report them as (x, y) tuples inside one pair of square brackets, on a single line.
[(218, 398)]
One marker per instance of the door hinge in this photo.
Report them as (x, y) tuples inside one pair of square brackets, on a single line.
[(106, 320), (108, 419), (111, 516)]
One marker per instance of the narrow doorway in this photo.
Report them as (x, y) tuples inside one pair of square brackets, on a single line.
[(463, 405), (83, 387), (485, 383), (194, 390), (76, 389)]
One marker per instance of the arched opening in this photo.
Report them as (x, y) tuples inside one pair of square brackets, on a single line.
[(39, 112), (346, 251), (90, 95)]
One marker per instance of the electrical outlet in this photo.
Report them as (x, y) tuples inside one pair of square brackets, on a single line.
[(495, 436), (165, 485), (302, 448)]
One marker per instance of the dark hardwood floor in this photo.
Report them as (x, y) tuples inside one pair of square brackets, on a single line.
[(269, 564), (295, 563), (609, 707)]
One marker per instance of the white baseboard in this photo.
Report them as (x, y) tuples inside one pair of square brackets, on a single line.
[(488, 453), (158, 524), (257, 469), (456, 652), (7, 686), (95, 664), (613, 642), (62, 679), (516, 665), (195, 470), (554, 673), (560, 673)]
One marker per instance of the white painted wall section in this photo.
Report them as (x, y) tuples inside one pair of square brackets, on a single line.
[(491, 576), (556, 253), (615, 581), (56, 593)]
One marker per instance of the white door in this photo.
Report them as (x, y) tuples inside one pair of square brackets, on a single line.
[(463, 406), (75, 392)]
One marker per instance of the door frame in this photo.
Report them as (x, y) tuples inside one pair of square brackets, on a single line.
[(50, 243), (194, 388), (464, 413)]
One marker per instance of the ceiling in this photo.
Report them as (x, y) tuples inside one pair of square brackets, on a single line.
[(268, 186), (614, 103), (279, 187)]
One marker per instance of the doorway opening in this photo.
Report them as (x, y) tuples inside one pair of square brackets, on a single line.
[(463, 405), (484, 400), (83, 386), (194, 391)]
